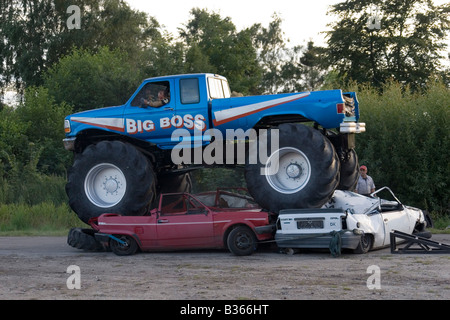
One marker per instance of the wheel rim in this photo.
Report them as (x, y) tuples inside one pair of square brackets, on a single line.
[(123, 246), (288, 170), (105, 185), (243, 241), (365, 242)]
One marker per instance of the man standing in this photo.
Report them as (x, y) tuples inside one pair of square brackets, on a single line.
[(365, 185)]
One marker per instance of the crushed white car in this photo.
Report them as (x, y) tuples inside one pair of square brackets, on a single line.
[(361, 223)]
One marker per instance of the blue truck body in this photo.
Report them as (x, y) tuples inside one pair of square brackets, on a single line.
[(203, 111), (128, 154)]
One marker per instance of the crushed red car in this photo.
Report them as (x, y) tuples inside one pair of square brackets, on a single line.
[(221, 219)]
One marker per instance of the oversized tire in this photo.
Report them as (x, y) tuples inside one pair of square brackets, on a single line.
[(83, 239), (308, 170), (241, 241), (110, 177), (128, 248), (174, 183), (349, 172)]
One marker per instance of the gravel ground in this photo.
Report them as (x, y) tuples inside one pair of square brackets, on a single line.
[(36, 268)]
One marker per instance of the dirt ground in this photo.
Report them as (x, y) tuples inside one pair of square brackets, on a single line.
[(36, 268)]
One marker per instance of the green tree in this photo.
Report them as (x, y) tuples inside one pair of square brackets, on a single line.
[(34, 34), (163, 56), (214, 45), (282, 70), (373, 41), (287, 68), (14, 144), (407, 144), (87, 80), (42, 117), (30, 149), (313, 61)]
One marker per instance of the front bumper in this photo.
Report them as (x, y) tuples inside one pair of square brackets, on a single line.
[(349, 239), (352, 127)]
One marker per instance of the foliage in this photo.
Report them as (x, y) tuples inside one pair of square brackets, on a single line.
[(211, 179), (165, 56), (43, 118), (407, 143), (34, 34), (31, 150), (405, 46), (87, 80), (215, 46), (285, 69)]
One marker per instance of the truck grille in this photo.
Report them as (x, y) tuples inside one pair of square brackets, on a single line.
[(310, 223)]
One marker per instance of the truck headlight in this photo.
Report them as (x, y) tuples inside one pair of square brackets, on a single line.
[(67, 126)]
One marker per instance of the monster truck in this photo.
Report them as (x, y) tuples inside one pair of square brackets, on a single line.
[(125, 156)]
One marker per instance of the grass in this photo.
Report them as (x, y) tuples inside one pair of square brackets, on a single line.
[(441, 224), (44, 219)]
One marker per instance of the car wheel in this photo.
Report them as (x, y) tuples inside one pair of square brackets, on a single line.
[(365, 244), (129, 246), (241, 241)]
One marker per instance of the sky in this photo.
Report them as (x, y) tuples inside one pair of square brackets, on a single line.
[(302, 20)]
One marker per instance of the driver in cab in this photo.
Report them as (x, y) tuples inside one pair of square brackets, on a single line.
[(149, 101)]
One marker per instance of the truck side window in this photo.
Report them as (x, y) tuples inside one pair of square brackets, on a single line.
[(215, 88), (218, 88), (226, 89), (189, 91), (153, 94)]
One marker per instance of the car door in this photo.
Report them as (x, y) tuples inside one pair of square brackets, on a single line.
[(183, 222), (396, 219), (192, 108)]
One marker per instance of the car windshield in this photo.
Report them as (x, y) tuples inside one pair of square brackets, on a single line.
[(388, 200), (228, 198)]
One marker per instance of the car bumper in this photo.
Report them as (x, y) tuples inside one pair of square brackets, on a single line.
[(269, 229), (349, 239)]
